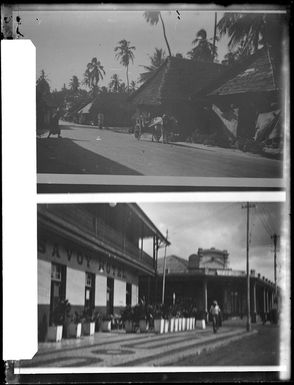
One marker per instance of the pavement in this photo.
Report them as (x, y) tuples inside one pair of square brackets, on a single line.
[(118, 349), (88, 150)]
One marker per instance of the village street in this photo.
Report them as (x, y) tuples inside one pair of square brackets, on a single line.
[(89, 150)]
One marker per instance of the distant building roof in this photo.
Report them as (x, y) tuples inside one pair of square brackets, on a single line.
[(173, 264), (258, 73), (176, 80)]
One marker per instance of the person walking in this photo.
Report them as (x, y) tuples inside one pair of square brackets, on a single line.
[(215, 313), (54, 124), (165, 127), (101, 120)]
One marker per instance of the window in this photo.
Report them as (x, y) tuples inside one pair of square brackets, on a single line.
[(128, 294), (109, 295), (58, 285), (56, 272), (89, 290), (88, 279)]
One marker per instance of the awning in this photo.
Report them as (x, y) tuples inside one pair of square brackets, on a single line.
[(86, 109)]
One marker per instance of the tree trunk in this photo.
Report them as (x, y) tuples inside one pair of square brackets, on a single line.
[(127, 73), (214, 35), (164, 34)]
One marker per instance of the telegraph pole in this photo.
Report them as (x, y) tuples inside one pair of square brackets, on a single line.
[(275, 238), (248, 206), (164, 266), (214, 35)]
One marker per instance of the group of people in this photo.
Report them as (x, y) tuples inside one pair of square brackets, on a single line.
[(161, 126)]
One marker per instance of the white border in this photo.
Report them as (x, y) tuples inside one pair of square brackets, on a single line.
[(19, 215)]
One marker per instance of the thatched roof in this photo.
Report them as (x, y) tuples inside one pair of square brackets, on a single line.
[(177, 79), (258, 73)]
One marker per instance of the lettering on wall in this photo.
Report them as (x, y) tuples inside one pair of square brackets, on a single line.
[(69, 256)]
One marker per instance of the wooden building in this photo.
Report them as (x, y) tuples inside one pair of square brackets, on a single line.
[(252, 88), (206, 277), (93, 256)]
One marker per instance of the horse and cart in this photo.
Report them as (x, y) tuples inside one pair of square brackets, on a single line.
[(165, 127)]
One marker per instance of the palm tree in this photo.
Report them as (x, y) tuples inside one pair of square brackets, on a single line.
[(124, 52), (203, 51), (122, 87), (237, 55), (93, 73), (153, 17), (157, 59), (115, 83), (43, 86), (74, 83), (133, 86), (252, 30)]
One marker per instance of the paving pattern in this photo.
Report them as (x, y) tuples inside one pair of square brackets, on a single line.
[(120, 349)]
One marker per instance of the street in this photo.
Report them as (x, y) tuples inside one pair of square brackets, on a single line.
[(232, 345), (88, 150), (259, 349)]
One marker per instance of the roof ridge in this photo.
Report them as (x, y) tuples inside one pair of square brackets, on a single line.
[(175, 256)]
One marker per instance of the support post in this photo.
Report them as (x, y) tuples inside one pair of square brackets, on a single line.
[(164, 268), (205, 296), (254, 302), (275, 238)]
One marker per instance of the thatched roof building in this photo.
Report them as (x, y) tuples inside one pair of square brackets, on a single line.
[(175, 81), (170, 88), (115, 107)]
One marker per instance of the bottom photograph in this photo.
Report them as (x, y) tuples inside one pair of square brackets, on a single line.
[(159, 284)]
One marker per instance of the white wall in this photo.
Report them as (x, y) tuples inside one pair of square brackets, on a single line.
[(119, 297), (100, 290), (135, 293), (75, 286), (44, 282)]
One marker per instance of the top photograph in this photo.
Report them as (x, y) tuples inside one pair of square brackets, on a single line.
[(175, 97)]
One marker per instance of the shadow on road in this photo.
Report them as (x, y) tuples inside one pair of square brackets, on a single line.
[(63, 156)]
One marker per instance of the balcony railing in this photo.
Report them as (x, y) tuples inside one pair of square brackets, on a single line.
[(99, 229)]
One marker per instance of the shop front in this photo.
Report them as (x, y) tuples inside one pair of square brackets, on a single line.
[(89, 262)]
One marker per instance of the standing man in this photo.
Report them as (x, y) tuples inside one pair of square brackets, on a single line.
[(165, 124), (100, 120), (215, 313)]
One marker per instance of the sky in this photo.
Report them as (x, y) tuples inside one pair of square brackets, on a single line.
[(67, 40), (223, 226)]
